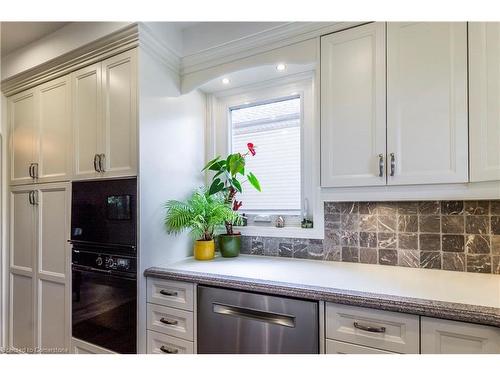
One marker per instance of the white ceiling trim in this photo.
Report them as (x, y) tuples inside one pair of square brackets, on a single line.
[(273, 38)]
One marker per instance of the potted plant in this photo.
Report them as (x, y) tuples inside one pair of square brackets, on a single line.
[(226, 179), (202, 214)]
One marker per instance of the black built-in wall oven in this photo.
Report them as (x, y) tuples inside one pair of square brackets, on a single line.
[(104, 263)]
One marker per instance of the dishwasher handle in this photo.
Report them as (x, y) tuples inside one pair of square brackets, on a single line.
[(263, 316)]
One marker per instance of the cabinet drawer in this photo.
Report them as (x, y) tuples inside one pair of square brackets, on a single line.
[(171, 293), (338, 347), (159, 343), (174, 322), (385, 330)]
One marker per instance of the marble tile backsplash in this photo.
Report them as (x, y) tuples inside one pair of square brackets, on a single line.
[(448, 235)]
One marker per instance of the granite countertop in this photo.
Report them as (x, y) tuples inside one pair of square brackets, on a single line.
[(462, 296)]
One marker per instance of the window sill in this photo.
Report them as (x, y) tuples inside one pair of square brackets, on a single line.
[(286, 232)]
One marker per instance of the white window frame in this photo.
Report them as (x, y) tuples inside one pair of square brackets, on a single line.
[(219, 143)]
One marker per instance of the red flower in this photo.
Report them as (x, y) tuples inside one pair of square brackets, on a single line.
[(237, 205), (251, 148)]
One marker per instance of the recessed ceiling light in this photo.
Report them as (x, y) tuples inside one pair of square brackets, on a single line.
[(225, 81), (280, 67)]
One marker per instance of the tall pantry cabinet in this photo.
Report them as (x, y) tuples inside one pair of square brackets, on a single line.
[(81, 125)]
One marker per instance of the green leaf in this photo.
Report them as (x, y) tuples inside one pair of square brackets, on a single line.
[(254, 181), (216, 186), (220, 165), (210, 163), (236, 164), (236, 184)]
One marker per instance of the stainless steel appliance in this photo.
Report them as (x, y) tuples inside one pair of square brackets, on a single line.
[(104, 263), (231, 321)]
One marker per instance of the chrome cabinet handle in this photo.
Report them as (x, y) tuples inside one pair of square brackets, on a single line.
[(263, 316), (164, 349), (30, 171), (102, 159), (32, 198), (96, 168), (168, 293), (368, 328), (380, 165), (35, 170), (169, 322), (393, 164)]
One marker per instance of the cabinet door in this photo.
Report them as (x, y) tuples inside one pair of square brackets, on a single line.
[(427, 134), (54, 130), (353, 120), (22, 118), (53, 296), (22, 270), (484, 100), (86, 120), (119, 95), (339, 347), (448, 337)]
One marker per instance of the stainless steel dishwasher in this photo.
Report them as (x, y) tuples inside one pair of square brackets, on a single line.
[(231, 321)]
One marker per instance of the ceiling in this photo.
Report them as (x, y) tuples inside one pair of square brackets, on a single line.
[(19, 34)]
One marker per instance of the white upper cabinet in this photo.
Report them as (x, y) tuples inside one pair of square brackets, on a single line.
[(353, 107), (86, 119), (54, 131), (105, 118), (23, 125), (119, 94), (427, 134), (40, 133), (484, 100)]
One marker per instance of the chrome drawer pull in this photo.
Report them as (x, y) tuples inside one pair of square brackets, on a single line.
[(168, 293), (368, 328), (164, 349), (263, 316), (96, 168), (169, 322)]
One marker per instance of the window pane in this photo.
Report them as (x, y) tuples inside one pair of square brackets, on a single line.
[(274, 128)]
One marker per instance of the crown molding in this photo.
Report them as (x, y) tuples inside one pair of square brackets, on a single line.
[(159, 50), (264, 41), (109, 45)]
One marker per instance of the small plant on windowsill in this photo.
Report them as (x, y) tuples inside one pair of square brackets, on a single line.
[(226, 179), (202, 214)]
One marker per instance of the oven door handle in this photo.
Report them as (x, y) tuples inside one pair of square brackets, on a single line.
[(92, 269)]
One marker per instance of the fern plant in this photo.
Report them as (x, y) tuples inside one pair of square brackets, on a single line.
[(201, 214)]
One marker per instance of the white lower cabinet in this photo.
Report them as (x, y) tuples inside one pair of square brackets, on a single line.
[(449, 337), (171, 317), (339, 347), (382, 330), (39, 315)]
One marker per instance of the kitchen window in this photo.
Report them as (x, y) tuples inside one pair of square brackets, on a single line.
[(278, 118), (274, 127)]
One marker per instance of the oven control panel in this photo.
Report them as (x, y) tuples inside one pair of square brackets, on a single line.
[(104, 261)]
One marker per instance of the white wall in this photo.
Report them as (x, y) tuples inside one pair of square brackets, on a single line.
[(171, 156), (62, 41)]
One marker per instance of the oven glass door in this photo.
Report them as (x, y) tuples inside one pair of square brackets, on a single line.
[(104, 309)]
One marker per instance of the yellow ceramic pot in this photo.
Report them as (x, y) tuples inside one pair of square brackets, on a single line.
[(204, 250)]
